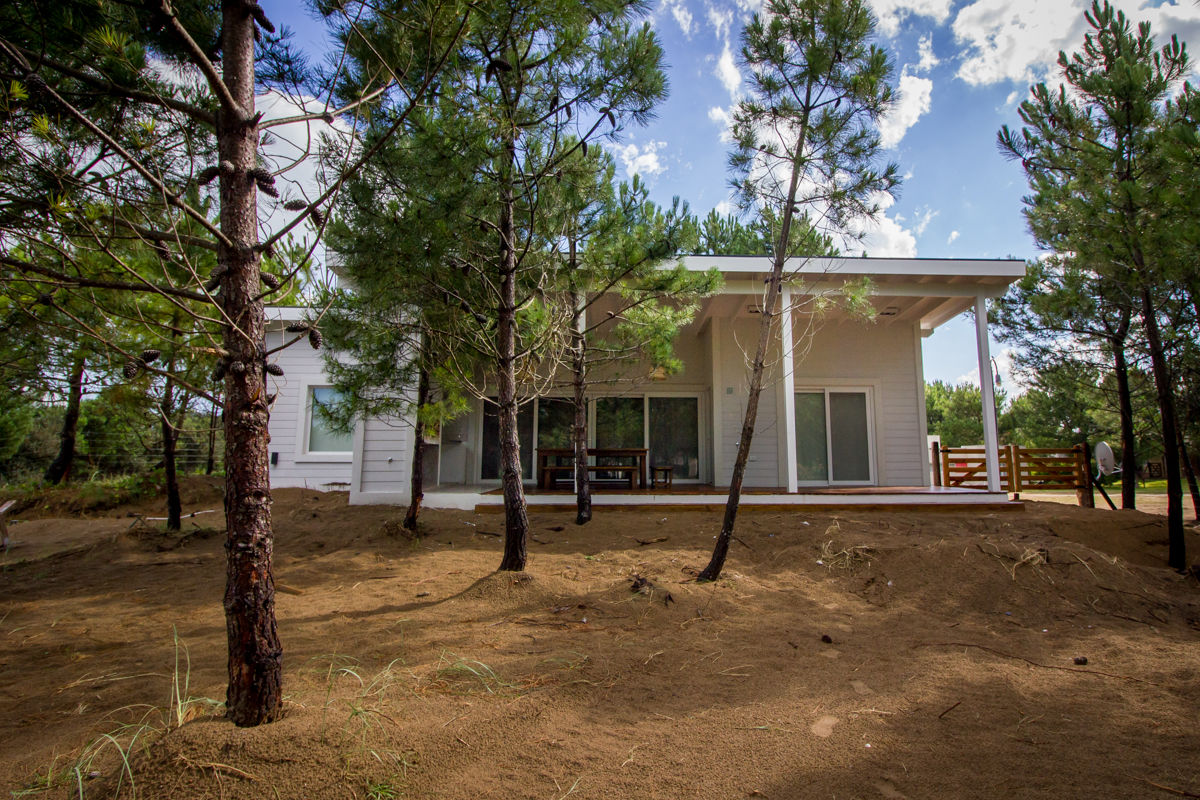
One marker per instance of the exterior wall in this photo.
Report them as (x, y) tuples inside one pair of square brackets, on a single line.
[(886, 358), (382, 461), (734, 344), (302, 368)]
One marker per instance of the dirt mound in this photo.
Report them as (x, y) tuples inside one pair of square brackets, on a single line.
[(1047, 653)]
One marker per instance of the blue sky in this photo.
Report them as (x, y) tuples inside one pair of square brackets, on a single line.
[(961, 69)]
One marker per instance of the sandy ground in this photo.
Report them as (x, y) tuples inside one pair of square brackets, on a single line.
[(857, 655)]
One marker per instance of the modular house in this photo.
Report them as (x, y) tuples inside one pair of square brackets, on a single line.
[(842, 412)]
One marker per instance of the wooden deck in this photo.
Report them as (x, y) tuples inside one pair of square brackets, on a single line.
[(702, 497)]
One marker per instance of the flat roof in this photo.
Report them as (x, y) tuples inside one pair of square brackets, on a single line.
[(860, 266)]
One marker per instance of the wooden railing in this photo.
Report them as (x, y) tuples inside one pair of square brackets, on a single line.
[(1021, 468)]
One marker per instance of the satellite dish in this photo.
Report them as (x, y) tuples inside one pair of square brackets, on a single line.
[(1105, 459)]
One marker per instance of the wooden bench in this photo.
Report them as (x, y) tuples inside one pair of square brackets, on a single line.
[(552, 473)]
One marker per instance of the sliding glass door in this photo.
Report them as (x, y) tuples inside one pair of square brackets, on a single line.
[(674, 433), (834, 437), (668, 426)]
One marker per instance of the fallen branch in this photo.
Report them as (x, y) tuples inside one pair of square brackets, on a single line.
[(1033, 663), (1179, 792), (951, 708), (644, 542)]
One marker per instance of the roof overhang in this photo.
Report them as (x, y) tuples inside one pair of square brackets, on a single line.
[(928, 291)]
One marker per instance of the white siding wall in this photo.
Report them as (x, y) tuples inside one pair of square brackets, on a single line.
[(883, 358), (384, 448), (886, 358), (302, 367), (730, 390)]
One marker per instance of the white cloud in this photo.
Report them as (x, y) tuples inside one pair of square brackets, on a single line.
[(923, 219), (926, 60), (721, 20), (680, 13), (293, 150), (728, 73), (642, 161), (684, 18), (725, 208), (882, 236), (891, 13), (1002, 364), (724, 118), (913, 100), (953, 235), (1019, 40)]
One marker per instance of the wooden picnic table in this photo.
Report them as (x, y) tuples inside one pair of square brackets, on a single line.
[(637, 458)]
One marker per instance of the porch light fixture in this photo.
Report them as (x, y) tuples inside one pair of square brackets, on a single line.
[(658, 374)]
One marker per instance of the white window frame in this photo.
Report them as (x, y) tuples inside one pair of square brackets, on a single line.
[(827, 389), (304, 426)]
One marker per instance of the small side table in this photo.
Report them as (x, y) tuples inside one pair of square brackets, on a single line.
[(661, 474)]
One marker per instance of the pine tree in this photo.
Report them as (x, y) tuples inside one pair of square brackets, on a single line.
[(806, 146), (1098, 161)]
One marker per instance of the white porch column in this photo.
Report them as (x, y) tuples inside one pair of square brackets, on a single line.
[(789, 387), (991, 436)]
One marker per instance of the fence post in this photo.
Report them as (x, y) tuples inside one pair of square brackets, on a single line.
[(936, 461), (1014, 470), (1083, 477), (946, 466)]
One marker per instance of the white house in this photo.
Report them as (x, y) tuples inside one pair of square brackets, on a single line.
[(842, 413)]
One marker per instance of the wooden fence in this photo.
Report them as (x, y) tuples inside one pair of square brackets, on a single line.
[(1021, 468)]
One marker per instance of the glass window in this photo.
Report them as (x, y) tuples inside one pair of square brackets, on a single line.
[(812, 454), (848, 432), (675, 435), (321, 437), (556, 422), (833, 439), (491, 440), (619, 422)]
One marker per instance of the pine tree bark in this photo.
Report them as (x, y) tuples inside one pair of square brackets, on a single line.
[(583, 487), (417, 483), (170, 437), (1176, 544), (516, 518), (59, 470), (1128, 442), (254, 694)]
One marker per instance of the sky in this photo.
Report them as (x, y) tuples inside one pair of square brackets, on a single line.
[(961, 70)]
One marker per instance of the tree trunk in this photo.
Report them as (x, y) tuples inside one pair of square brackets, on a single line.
[(59, 470), (758, 367), (170, 435), (516, 519), (255, 688), (1128, 443), (1193, 487), (1176, 544), (418, 466), (210, 463), (583, 487)]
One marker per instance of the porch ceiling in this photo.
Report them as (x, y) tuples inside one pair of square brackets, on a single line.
[(929, 292)]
